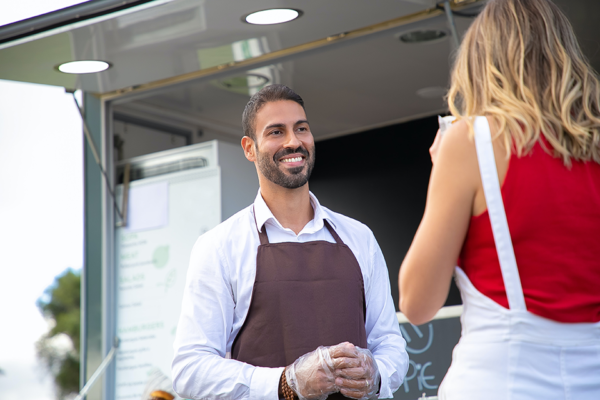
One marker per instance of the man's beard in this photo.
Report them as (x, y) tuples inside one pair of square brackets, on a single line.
[(269, 167)]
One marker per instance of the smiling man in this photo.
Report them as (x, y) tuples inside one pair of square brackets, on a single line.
[(286, 299)]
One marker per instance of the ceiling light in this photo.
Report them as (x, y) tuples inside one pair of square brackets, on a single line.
[(83, 67), (423, 36), (245, 81), (272, 16), (432, 92)]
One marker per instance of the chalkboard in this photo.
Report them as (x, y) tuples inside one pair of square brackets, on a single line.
[(429, 348)]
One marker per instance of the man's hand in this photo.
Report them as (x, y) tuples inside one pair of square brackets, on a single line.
[(342, 368), (311, 376), (357, 375)]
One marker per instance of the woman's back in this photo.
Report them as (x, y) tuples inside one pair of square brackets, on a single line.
[(534, 86), (553, 214)]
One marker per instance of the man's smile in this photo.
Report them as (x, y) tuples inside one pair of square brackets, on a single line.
[(292, 160)]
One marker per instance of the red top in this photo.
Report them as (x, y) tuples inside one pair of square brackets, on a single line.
[(553, 216)]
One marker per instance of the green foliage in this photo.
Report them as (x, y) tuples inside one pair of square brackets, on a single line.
[(61, 305)]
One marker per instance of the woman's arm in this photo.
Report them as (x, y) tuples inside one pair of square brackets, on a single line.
[(427, 269)]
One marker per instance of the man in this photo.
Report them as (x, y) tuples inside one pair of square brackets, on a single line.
[(283, 277)]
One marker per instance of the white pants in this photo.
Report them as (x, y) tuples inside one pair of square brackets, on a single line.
[(505, 356)]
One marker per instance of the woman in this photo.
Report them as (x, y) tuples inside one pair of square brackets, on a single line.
[(530, 279)]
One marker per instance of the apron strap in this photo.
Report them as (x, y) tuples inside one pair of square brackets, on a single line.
[(262, 233), (337, 238), (495, 205), (264, 238)]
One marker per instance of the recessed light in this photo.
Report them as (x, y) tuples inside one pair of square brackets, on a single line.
[(432, 92), (246, 81), (83, 67), (272, 16), (423, 36)]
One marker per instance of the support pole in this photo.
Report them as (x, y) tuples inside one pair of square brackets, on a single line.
[(451, 23), (100, 370), (92, 144)]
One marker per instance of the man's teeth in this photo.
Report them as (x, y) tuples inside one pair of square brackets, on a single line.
[(295, 159)]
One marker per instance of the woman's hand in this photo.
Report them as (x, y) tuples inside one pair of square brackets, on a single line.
[(433, 150)]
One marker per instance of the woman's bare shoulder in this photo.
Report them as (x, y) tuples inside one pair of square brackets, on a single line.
[(458, 147), (458, 153), (458, 133), (458, 144)]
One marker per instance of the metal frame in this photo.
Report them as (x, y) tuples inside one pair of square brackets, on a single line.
[(108, 264), (38, 29), (92, 351), (65, 16)]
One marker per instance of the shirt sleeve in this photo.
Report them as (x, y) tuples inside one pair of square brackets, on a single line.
[(200, 369), (383, 331)]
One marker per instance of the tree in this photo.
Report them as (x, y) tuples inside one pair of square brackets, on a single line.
[(59, 347)]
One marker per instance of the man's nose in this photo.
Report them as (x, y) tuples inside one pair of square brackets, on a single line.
[(292, 140)]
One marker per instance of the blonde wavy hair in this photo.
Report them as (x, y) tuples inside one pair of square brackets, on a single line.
[(520, 63)]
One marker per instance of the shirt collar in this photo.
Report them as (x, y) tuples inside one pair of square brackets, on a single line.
[(263, 214)]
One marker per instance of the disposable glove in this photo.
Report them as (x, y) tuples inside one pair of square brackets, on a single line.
[(357, 377), (312, 375)]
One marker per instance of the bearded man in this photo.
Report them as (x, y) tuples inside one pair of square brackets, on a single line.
[(287, 299)]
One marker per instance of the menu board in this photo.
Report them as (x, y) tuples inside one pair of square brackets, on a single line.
[(429, 347), (166, 216)]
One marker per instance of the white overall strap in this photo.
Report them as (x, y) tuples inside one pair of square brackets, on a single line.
[(495, 206)]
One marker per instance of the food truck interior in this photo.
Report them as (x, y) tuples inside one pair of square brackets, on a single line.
[(373, 75)]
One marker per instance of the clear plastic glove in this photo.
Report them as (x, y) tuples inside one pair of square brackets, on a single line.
[(312, 375), (357, 375)]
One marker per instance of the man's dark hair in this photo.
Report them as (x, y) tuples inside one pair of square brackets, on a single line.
[(268, 94)]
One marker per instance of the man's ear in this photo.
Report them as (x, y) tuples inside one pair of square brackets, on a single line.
[(249, 148)]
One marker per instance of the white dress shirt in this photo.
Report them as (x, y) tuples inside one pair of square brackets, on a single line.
[(217, 297)]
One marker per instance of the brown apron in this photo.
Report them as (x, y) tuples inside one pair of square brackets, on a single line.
[(305, 295)]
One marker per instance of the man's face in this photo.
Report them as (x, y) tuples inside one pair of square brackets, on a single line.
[(285, 148)]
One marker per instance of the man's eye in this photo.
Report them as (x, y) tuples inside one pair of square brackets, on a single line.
[(275, 132)]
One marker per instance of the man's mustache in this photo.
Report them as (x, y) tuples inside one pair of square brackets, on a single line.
[(284, 152)]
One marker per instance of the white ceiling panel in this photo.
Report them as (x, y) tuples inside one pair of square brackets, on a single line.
[(354, 86), (366, 83), (183, 36)]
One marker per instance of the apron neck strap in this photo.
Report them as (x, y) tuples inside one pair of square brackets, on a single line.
[(262, 233), (337, 238), (264, 238), (495, 206)]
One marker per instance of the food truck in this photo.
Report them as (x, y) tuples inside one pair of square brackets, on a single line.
[(163, 164)]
